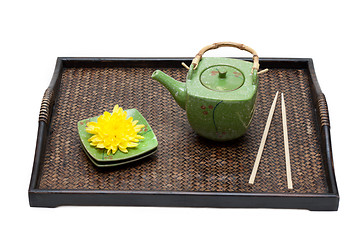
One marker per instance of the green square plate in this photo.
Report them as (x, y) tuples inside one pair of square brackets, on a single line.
[(99, 157), (120, 162)]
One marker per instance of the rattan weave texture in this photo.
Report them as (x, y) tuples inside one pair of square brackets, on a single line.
[(184, 161)]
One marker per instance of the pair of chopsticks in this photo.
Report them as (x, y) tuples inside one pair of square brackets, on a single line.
[(263, 140)]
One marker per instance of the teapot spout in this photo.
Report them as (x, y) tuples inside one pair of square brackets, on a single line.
[(176, 88)]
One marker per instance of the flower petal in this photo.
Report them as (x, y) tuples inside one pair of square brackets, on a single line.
[(114, 131)]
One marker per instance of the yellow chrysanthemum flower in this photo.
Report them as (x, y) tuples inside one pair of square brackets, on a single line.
[(114, 131)]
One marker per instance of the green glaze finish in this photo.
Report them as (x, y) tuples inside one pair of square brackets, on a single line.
[(219, 96), (99, 157)]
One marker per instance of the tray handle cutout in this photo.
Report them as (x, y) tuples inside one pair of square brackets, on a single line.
[(323, 110), (45, 105)]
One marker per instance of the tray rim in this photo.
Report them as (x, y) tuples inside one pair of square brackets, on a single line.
[(53, 198)]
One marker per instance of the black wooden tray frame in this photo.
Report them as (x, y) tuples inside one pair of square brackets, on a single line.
[(53, 198)]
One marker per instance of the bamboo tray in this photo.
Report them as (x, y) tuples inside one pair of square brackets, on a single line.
[(186, 170)]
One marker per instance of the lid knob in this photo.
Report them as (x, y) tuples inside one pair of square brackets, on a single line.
[(222, 73)]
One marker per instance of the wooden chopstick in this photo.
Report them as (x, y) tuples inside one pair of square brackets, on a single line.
[(263, 140), (286, 144)]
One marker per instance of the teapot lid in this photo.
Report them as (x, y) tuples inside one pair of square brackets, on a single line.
[(222, 78)]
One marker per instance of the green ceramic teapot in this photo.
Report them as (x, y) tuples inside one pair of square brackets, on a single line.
[(219, 95)]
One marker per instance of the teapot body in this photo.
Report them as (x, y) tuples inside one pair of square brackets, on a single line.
[(221, 110)]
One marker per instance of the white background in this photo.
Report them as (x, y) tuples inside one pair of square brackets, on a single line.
[(34, 33)]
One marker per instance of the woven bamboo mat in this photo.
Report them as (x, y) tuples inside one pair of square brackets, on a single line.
[(184, 161)]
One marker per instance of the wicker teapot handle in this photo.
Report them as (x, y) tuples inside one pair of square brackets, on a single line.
[(198, 56)]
